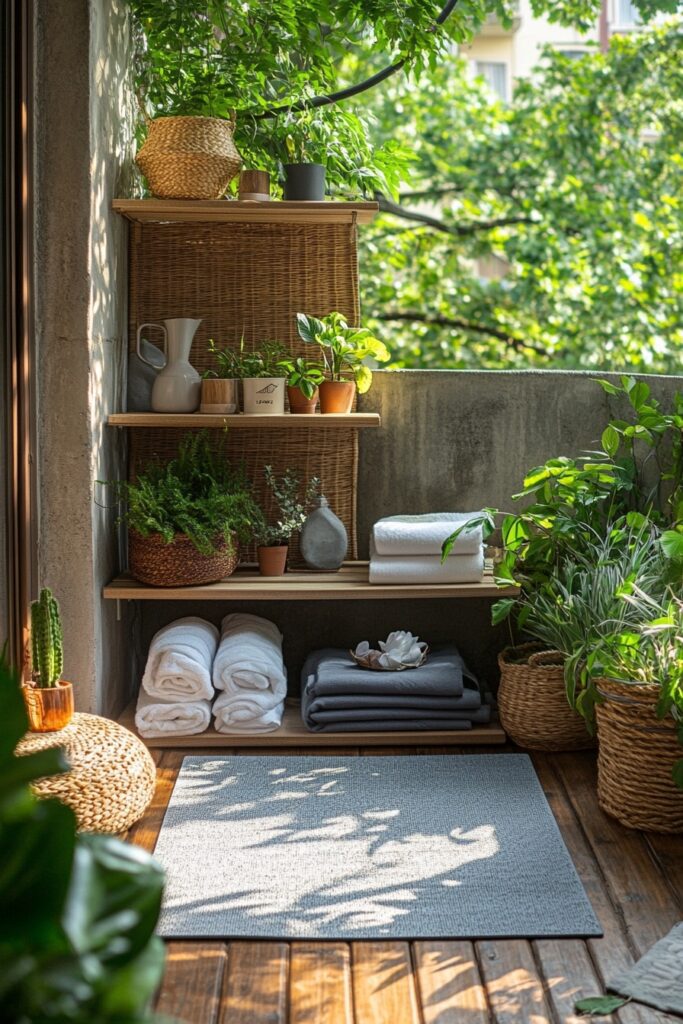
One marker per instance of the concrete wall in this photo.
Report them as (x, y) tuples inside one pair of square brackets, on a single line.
[(83, 157)]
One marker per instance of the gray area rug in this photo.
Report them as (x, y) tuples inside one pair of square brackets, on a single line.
[(366, 848), (657, 978)]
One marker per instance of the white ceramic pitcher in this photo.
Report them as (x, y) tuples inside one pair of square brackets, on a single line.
[(177, 387)]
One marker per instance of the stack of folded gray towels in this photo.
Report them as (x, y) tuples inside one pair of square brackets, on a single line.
[(340, 696)]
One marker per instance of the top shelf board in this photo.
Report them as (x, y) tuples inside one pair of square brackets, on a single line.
[(192, 211)]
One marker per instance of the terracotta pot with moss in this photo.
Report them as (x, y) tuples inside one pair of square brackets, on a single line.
[(49, 699)]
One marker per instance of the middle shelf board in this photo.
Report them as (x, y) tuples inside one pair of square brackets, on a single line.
[(350, 583), (238, 421)]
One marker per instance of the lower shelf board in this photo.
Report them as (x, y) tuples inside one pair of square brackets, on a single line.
[(293, 733)]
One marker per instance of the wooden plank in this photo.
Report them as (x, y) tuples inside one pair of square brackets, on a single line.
[(644, 899), (145, 832), (191, 989), (513, 984), (320, 983), (568, 974), (383, 983), (144, 211), (667, 851), (293, 733), (450, 989), (255, 990), (349, 583), (240, 421)]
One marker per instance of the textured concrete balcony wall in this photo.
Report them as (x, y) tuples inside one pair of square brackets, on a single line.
[(83, 155)]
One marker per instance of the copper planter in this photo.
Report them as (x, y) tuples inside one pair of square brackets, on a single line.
[(49, 708)]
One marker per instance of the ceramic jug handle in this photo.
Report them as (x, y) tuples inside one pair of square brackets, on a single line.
[(159, 327)]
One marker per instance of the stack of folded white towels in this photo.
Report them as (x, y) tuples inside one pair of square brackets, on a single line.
[(407, 549), (188, 662)]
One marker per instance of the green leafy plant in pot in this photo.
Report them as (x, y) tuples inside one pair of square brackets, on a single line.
[(304, 378), (49, 699), (220, 394), (263, 379), (345, 351), (273, 537)]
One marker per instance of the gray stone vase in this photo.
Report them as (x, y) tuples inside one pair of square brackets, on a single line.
[(324, 540)]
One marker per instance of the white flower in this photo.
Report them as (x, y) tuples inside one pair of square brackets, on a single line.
[(400, 650)]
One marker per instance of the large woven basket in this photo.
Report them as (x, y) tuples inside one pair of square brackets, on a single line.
[(189, 157), (178, 564), (112, 776), (532, 701), (635, 756)]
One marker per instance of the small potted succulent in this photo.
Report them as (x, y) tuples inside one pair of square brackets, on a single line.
[(220, 385), (263, 379), (304, 377), (49, 699), (345, 350), (273, 537)]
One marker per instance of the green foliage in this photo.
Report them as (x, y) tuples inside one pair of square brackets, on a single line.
[(568, 199), (291, 507), (599, 1006), (304, 374), (47, 645), (77, 912), (197, 494), (345, 348), (242, 364)]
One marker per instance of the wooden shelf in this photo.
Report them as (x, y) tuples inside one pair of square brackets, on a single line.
[(293, 733), (160, 211), (238, 421), (349, 584)]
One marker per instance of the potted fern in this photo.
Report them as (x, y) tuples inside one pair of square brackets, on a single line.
[(49, 699), (345, 351), (273, 537)]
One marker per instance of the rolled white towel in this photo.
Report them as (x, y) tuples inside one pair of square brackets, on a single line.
[(246, 714), (155, 717), (180, 659), (424, 535), (249, 659), (428, 569)]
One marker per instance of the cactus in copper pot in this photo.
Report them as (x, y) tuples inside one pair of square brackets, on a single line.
[(47, 650)]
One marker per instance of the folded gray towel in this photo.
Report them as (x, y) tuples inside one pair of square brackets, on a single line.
[(469, 699), (332, 671), (481, 714), (424, 725)]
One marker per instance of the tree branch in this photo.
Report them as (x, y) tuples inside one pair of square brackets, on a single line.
[(511, 340), (458, 230)]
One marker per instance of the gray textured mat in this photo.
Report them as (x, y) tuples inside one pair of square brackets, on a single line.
[(366, 847), (657, 978)]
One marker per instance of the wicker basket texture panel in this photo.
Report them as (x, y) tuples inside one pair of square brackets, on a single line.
[(178, 564), (189, 157), (532, 701), (635, 756), (331, 455), (112, 776)]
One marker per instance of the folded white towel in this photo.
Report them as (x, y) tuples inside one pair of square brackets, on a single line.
[(424, 535), (249, 659), (246, 714), (180, 659), (427, 568), (155, 717)]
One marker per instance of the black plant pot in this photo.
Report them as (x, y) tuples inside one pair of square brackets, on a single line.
[(305, 182)]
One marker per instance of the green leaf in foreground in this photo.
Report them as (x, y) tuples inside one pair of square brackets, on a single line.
[(599, 1006)]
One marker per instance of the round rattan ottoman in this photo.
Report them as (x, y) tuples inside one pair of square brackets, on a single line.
[(112, 777)]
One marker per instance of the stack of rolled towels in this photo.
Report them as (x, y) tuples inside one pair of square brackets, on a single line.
[(407, 549), (340, 696), (189, 661)]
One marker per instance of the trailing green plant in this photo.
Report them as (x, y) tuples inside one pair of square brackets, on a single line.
[(650, 654), (345, 348), (291, 506), (232, 364), (77, 912), (47, 644), (197, 494), (304, 374)]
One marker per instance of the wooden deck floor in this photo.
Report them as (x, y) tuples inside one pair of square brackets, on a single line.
[(634, 881)]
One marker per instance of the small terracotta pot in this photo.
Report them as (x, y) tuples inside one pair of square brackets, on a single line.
[(299, 404), (219, 396), (49, 708), (336, 396), (272, 560)]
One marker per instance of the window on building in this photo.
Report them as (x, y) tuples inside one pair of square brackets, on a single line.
[(574, 54), (626, 14), (495, 73)]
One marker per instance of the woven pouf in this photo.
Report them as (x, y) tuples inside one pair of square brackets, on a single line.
[(112, 777), (636, 754)]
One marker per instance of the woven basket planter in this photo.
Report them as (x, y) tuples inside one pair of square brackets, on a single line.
[(189, 157), (178, 564), (532, 701), (635, 756)]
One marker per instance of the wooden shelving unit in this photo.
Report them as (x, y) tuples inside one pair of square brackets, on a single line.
[(293, 733), (349, 584), (146, 211), (239, 421)]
